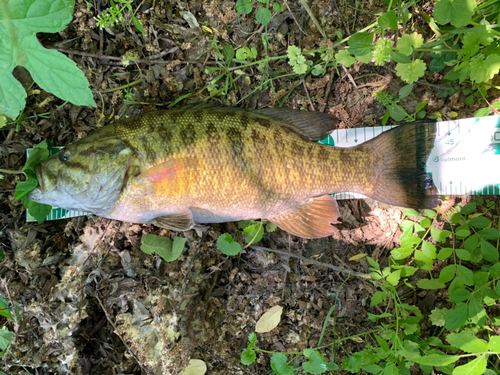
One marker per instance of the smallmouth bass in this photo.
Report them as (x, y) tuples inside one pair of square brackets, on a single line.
[(180, 168)]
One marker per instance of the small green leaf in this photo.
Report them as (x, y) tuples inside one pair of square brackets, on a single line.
[(227, 246), (463, 254), (388, 19), (440, 235), (482, 112), (474, 367), (279, 365), (248, 356), (164, 247), (430, 284), (252, 339), (354, 363), (477, 313), (480, 278), (483, 69), (407, 43), (228, 53), (465, 275), (394, 277), (410, 212), (495, 271), (263, 16), (316, 364), (437, 360), (494, 344), (429, 250), (244, 6), (456, 318), (360, 44), (345, 58), (444, 253), (468, 209), (5, 339), (457, 12), (438, 316), (423, 261), (411, 72), (472, 242), (480, 222), (490, 252), (459, 295), (401, 253), (431, 214), (254, 233), (377, 298), (5, 309), (447, 273), (489, 234)]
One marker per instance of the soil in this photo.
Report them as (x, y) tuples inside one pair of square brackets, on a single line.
[(93, 303)]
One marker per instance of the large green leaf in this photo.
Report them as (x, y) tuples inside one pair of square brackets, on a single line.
[(20, 21)]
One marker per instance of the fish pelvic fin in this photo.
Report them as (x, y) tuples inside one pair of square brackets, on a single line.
[(312, 220), (400, 155), (181, 221)]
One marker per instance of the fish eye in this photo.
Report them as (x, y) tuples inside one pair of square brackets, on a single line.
[(64, 155)]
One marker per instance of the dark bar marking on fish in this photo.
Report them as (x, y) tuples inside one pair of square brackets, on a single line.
[(264, 122), (198, 116), (245, 120), (188, 136), (211, 128)]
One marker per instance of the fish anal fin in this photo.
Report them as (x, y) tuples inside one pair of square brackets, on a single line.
[(313, 125), (312, 220), (181, 221)]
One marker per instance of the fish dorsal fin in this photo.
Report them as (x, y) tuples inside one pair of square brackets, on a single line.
[(181, 221), (312, 220), (313, 125)]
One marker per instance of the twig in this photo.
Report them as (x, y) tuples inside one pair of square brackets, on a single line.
[(350, 77), (308, 97), (328, 89), (121, 338), (113, 58), (353, 273), (296, 22), (8, 171), (309, 11), (341, 17)]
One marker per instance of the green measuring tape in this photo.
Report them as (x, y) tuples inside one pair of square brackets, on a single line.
[(465, 159)]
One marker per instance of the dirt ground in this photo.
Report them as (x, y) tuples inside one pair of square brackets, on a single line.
[(93, 303)]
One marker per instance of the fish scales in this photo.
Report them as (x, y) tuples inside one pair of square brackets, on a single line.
[(195, 166)]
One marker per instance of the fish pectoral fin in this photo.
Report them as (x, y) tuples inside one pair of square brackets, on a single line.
[(312, 220), (179, 222), (313, 125)]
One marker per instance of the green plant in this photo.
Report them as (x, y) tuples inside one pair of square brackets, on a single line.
[(50, 69), (114, 14), (395, 110), (263, 14), (39, 211), (6, 336), (166, 249), (466, 342), (253, 231)]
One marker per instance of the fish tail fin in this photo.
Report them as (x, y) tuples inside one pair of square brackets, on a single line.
[(400, 156)]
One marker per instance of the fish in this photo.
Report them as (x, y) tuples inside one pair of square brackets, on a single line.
[(184, 168)]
